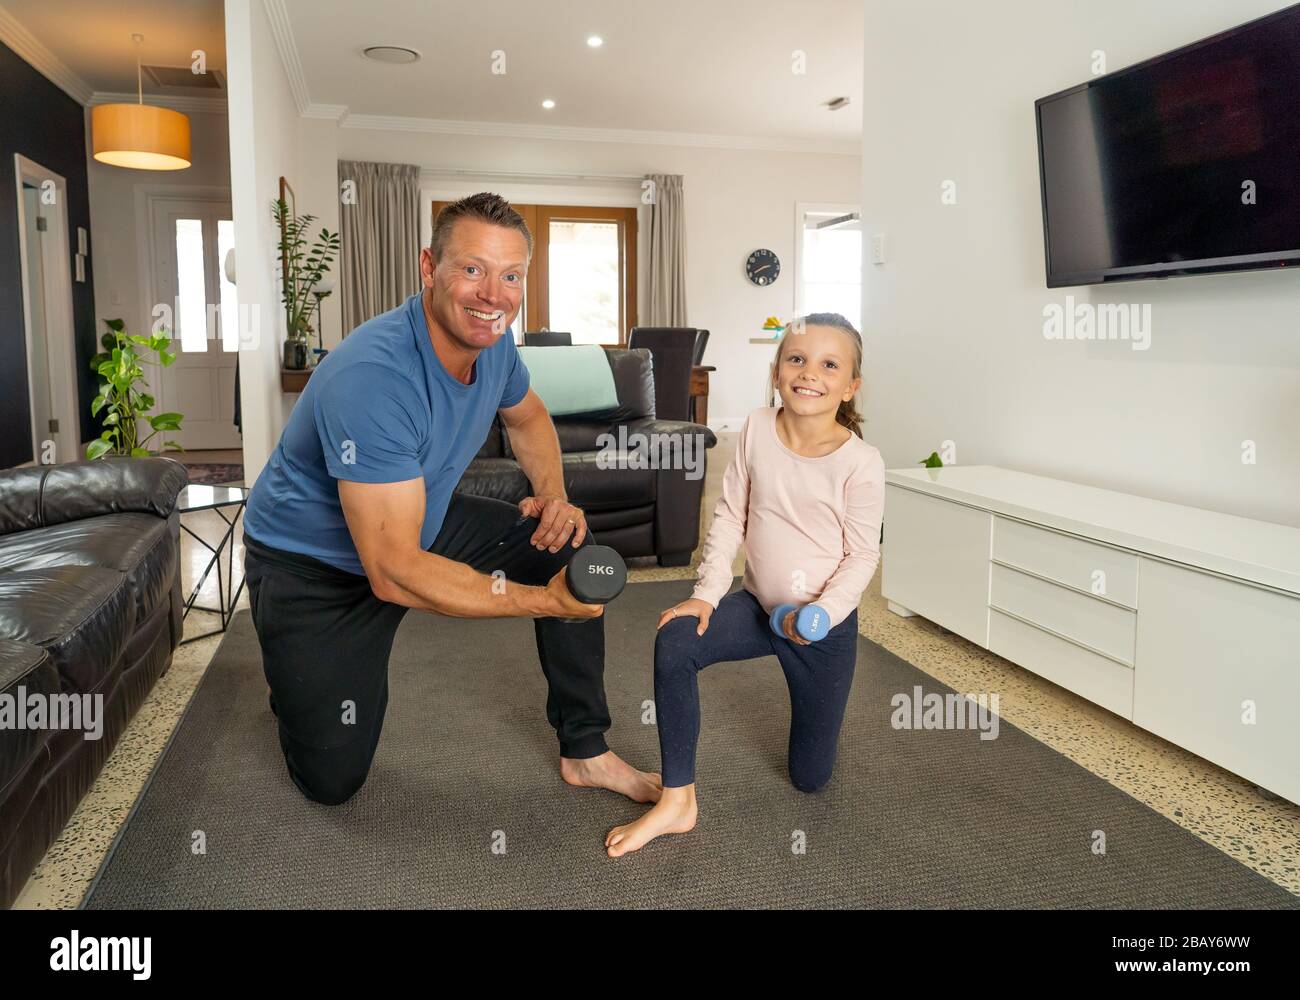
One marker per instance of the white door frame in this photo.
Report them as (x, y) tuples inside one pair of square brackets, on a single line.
[(61, 350), (150, 201)]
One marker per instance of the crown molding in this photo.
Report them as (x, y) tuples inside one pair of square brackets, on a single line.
[(326, 112), (436, 174), (512, 130), (282, 31), (41, 59), (183, 103)]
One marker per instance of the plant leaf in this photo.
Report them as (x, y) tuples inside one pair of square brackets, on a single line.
[(166, 422), (97, 449)]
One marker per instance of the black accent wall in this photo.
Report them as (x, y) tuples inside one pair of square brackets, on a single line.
[(43, 123)]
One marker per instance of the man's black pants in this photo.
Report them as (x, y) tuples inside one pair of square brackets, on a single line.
[(326, 639)]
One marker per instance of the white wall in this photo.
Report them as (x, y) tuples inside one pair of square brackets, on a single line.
[(736, 201), (954, 318), (269, 141)]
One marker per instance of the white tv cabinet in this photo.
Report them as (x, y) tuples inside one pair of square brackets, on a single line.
[(1184, 621)]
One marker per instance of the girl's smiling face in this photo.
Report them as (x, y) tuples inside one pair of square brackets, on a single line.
[(815, 371)]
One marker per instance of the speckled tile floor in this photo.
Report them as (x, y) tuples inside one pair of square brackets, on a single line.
[(1258, 829)]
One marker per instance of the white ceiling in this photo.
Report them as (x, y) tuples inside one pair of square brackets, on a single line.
[(92, 38), (717, 67)]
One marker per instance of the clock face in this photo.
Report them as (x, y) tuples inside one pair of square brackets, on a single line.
[(762, 267)]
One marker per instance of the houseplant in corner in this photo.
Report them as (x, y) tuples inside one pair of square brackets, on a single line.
[(123, 394), (303, 267)]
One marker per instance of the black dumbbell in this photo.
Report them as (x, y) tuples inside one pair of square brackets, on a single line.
[(596, 574)]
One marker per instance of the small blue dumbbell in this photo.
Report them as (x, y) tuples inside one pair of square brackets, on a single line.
[(812, 623)]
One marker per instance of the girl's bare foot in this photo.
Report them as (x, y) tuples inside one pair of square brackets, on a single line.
[(675, 812), (612, 772)]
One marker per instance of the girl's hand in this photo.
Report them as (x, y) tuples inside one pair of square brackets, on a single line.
[(787, 626), (694, 608)]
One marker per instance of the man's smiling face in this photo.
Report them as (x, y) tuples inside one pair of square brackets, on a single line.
[(478, 285)]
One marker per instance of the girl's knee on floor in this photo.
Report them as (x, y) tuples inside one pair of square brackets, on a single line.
[(810, 780)]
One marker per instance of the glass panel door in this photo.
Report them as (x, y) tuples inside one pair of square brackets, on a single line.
[(584, 280), (193, 238)]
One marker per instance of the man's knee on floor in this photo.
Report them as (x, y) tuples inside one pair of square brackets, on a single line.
[(332, 789), (327, 777)]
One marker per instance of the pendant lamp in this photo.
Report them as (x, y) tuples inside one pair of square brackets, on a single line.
[(140, 136)]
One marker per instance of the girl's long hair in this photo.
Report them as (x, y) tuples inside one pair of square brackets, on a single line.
[(847, 414)]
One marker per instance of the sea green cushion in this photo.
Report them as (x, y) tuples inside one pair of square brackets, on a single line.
[(574, 379)]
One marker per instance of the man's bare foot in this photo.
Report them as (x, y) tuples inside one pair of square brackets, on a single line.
[(675, 812), (612, 772)]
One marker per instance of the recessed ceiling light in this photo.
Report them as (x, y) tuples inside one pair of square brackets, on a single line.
[(595, 41), (548, 104), (390, 54)]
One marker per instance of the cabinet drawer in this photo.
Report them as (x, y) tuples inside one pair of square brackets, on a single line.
[(1105, 628), (1082, 565), (1088, 675)]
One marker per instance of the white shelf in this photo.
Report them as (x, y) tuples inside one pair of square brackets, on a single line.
[(1183, 621), (1238, 547)]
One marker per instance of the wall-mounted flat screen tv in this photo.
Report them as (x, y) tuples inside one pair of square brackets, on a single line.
[(1185, 163)]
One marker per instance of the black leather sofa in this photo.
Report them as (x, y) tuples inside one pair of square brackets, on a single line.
[(637, 511), (90, 603)]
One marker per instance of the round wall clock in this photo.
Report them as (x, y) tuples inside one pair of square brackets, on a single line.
[(762, 267)]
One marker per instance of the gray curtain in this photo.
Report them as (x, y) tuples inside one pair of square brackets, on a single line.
[(379, 235), (667, 273)]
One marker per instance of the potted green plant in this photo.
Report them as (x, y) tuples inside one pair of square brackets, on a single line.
[(304, 265), (123, 395)]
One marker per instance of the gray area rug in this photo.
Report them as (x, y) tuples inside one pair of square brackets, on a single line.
[(467, 763)]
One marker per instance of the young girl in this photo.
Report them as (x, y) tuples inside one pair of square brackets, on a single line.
[(805, 494)]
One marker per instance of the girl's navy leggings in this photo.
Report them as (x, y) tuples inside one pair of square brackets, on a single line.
[(819, 676)]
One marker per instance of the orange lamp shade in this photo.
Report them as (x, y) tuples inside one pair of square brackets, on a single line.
[(140, 136)]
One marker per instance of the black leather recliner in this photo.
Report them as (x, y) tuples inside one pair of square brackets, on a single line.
[(636, 511), (90, 603)]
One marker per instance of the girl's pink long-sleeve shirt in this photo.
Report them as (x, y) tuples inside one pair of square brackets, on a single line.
[(810, 526)]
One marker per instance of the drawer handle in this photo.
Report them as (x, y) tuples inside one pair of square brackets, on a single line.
[(1057, 583), (1061, 635)]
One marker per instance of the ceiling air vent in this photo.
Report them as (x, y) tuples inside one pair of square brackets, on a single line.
[(183, 76)]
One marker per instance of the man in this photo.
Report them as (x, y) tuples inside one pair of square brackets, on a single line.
[(355, 520)]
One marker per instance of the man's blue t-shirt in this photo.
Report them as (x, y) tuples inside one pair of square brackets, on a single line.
[(381, 408)]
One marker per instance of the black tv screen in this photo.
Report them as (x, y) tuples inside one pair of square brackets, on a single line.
[(1185, 163)]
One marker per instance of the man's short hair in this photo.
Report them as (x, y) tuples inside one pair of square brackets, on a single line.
[(484, 206)]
